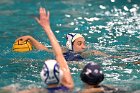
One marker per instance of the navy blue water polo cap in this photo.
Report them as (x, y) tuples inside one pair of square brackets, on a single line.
[(92, 74)]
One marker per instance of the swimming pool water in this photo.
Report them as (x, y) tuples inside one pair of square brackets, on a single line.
[(112, 26)]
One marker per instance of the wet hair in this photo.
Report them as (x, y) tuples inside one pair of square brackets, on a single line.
[(92, 74)]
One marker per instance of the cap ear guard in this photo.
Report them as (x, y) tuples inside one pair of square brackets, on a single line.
[(69, 45), (70, 37)]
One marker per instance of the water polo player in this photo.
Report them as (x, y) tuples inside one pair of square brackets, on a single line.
[(92, 76)]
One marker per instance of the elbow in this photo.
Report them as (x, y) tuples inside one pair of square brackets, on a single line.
[(70, 86)]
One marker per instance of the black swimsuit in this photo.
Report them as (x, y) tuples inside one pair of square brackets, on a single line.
[(63, 89), (71, 56)]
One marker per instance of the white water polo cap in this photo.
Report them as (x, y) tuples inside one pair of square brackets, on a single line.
[(70, 39), (51, 72)]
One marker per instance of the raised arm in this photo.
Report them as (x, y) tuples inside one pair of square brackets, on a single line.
[(45, 23)]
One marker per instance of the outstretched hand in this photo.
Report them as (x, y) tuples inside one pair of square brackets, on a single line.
[(43, 20)]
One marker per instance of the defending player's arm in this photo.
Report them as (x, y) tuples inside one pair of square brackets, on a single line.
[(45, 23)]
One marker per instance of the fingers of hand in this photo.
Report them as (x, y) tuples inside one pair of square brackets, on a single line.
[(48, 14), (23, 38), (43, 13), (37, 19)]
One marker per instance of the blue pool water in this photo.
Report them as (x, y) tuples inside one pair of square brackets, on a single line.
[(111, 26)]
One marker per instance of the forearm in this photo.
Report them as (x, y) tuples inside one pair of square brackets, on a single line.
[(93, 52), (37, 44), (56, 48), (68, 82), (96, 52), (55, 45)]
